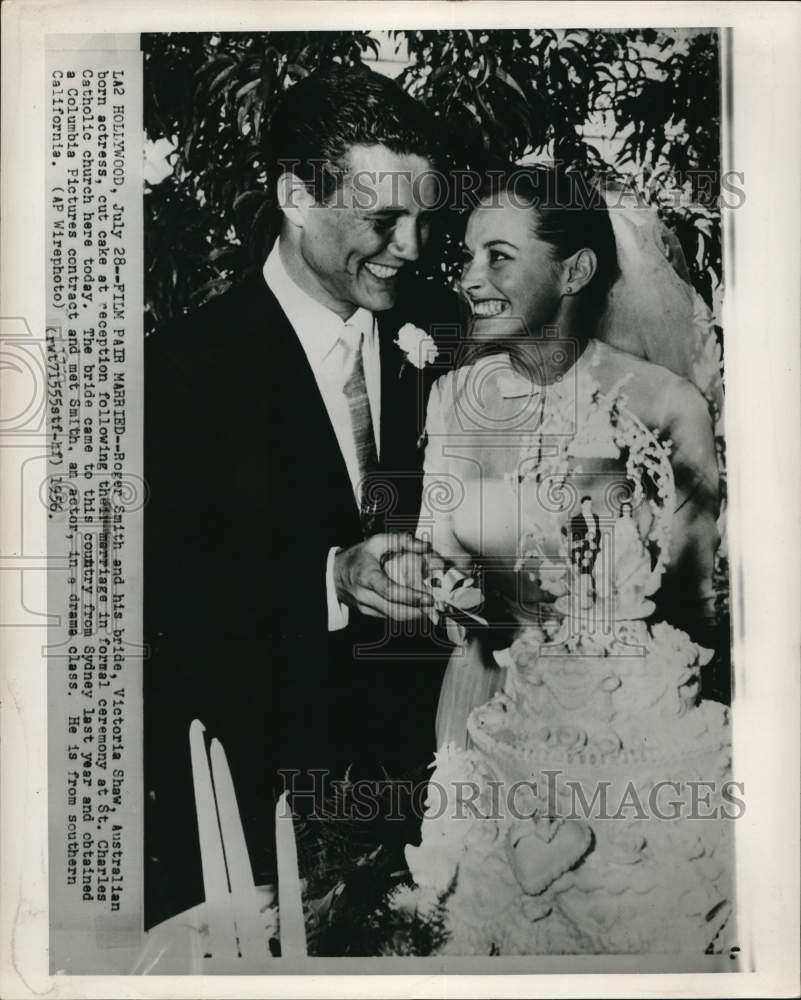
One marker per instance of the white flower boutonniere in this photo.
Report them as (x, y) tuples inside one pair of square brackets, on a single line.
[(419, 348)]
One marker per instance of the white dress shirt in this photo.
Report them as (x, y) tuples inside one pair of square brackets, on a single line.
[(321, 332)]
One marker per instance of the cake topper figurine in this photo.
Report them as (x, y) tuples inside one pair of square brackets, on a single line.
[(585, 544)]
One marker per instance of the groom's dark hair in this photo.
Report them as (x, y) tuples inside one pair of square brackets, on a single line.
[(332, 109)]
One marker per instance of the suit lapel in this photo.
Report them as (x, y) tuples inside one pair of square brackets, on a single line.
[(402, 422), (293, 411), (402, 400), (281, 394), (389, 383)]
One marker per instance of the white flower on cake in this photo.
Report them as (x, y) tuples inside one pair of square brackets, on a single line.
[(417, 345), (677, 646)]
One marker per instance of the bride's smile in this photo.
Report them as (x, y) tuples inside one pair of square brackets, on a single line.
[(488, 308), (511, 279)]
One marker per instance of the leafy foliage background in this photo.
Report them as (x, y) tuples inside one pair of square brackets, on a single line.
[(503, 94)]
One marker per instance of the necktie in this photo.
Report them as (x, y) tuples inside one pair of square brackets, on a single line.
[(355, 392)]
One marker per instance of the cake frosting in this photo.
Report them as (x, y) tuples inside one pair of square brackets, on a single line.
[(591, 811), (551, 837)]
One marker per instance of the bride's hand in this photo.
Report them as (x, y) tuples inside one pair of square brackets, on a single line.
[(383, 577), (412, 569)]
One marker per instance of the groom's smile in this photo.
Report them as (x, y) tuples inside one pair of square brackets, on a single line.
[(385, 272), (355, 246)]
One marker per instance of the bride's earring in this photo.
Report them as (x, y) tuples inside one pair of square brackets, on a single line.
[(569, 290)]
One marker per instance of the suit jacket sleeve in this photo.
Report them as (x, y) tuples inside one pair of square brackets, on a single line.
[(234, 543)]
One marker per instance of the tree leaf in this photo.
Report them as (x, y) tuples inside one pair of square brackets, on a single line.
[(247, 88), (220, 79), (510, 81), (220, 60), (246, 195)]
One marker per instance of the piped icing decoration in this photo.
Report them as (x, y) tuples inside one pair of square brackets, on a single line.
[(542, 849)]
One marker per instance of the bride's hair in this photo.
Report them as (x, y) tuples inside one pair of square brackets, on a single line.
[(568, 212)]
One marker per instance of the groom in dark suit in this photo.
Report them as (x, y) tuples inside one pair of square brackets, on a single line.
[(283, 453), (585, 537), (585, 544)]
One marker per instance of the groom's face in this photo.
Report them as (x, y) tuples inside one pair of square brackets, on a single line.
[(357, 244)]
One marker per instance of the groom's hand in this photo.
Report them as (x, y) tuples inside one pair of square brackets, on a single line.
[(362, 580)]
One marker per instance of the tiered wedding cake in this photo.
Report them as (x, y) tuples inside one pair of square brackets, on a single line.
[(592, 811)]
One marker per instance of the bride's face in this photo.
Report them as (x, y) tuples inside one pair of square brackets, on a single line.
[(512, 280)]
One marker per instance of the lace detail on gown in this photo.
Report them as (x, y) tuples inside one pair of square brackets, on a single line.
[(514, 458)]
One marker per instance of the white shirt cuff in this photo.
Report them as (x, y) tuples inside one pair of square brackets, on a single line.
[(338, 613)]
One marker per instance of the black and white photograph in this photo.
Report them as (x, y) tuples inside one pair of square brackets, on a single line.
[(442, 310), (392, 520)]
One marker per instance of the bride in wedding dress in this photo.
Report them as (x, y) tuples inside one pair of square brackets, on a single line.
[(510, 441)]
